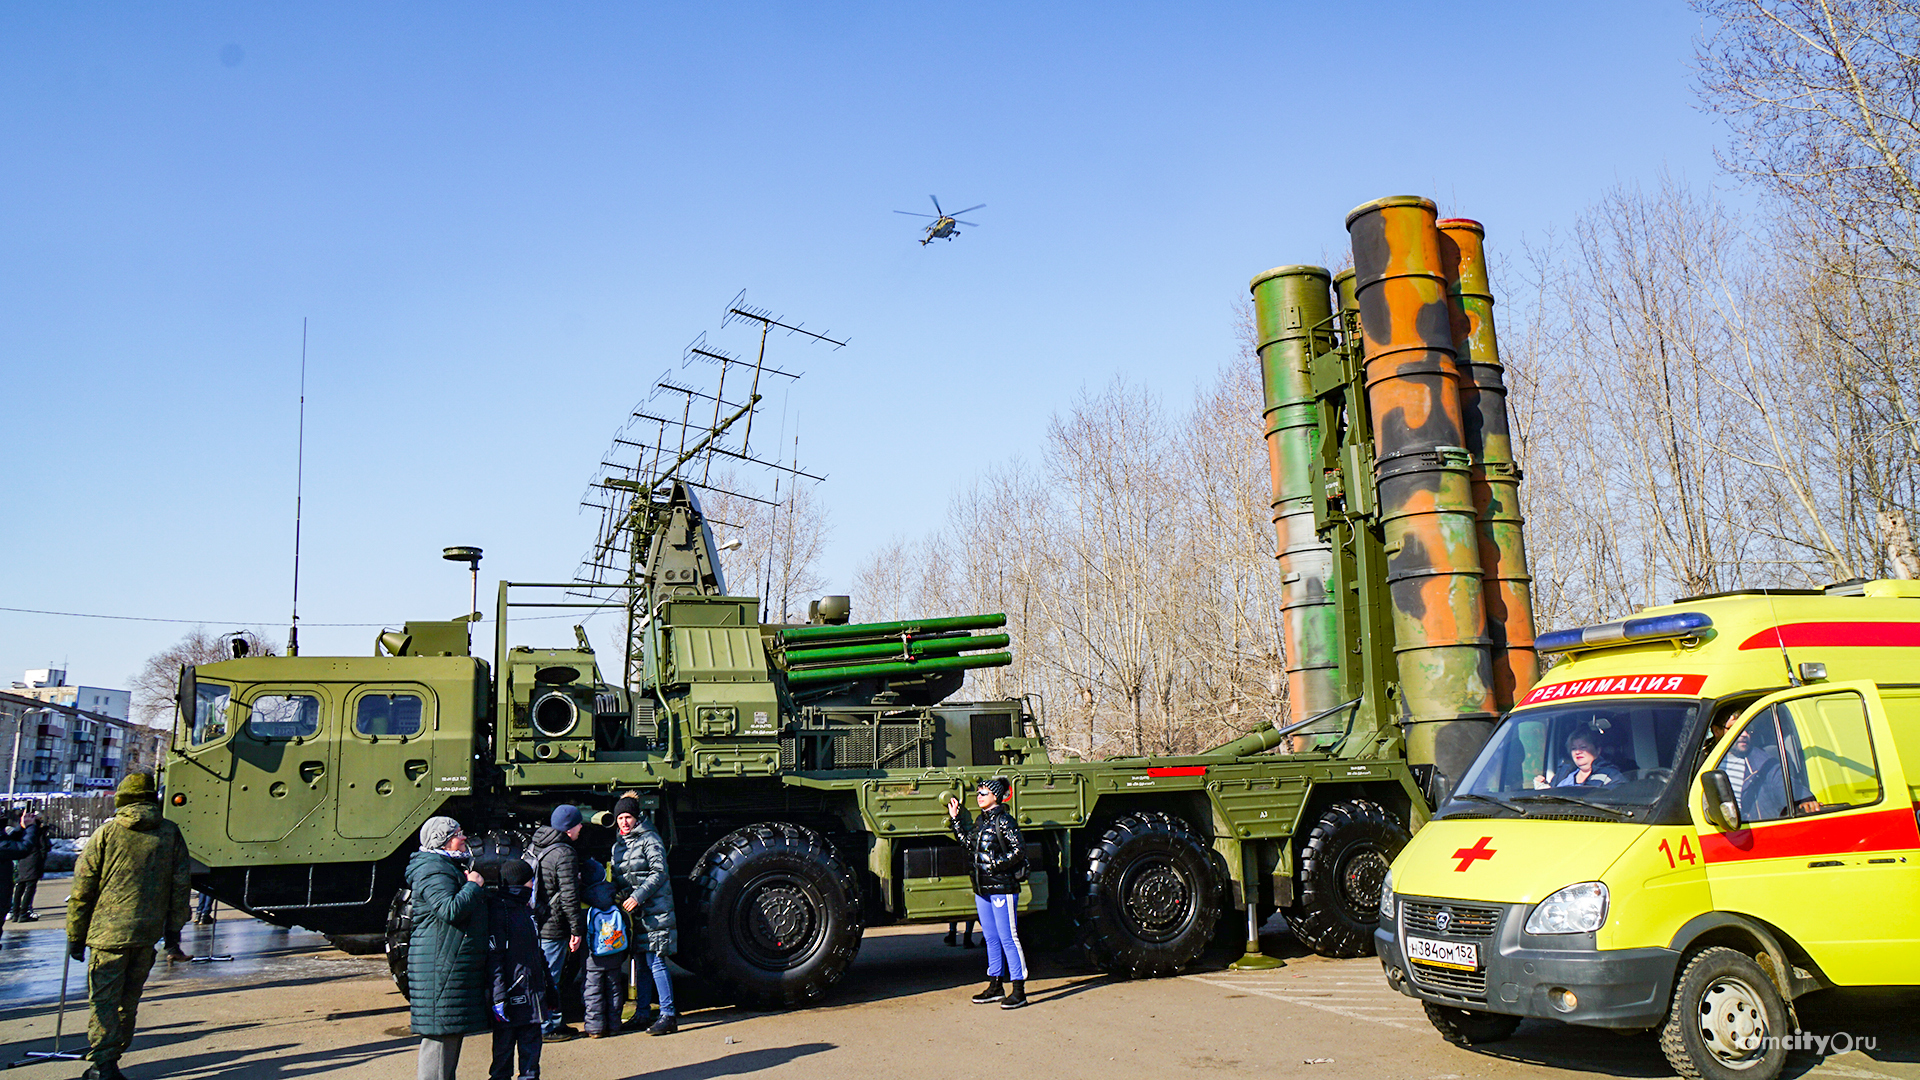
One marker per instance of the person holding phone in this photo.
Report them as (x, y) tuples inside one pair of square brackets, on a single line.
[(998, 866)]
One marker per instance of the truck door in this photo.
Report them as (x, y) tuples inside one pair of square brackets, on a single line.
[(385, 761), (1828, 847), (282, 774)]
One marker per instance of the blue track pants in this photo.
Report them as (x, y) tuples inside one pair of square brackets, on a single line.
[(1001, 927)]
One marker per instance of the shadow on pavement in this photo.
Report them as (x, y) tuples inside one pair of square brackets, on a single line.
[(740, 1064)]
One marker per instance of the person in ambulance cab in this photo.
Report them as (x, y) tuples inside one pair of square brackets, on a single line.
[(1589, 768)]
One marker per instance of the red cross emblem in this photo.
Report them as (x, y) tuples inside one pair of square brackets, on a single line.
[(1467, 855)]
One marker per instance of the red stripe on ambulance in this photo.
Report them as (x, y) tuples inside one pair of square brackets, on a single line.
[(1802, 635), (1836, 834), (1682, 685)]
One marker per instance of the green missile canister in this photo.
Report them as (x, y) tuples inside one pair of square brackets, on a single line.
[(794, 635), (915, 648), (899, 668)]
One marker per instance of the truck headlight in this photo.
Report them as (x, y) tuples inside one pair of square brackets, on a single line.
[(1387, 913), (1576, 909)]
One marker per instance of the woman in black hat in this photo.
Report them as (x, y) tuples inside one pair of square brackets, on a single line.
[(999, 866)]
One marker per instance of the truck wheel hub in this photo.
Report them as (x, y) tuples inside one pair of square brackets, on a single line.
[(1732, 1023), (1365, 874), (1157, 900)]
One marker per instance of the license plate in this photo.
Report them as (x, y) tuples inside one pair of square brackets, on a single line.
[(1453, 954)]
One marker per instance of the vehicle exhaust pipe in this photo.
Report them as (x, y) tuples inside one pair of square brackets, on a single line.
[(1292, 316), (1507, 588), (1421, 471)]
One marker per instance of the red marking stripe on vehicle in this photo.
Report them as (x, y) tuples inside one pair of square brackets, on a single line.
[(1834, 834), (1177, 770), (1813, 634), (1681, 685)]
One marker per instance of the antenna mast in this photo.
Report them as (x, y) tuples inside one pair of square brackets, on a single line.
[(691, 439), (299, 491)]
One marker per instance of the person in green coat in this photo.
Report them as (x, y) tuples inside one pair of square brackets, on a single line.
[(447, 953), (130, 890)]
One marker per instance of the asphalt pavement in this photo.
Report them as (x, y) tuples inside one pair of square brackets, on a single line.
[(288, 1005)]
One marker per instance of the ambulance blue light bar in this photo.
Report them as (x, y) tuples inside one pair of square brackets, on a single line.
[(1653, 628)]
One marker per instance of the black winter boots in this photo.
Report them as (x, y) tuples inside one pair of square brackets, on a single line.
[(1016, 999), (994, 992)]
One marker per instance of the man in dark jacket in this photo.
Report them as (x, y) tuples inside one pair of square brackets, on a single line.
[(130, 890), (999, 865), (517, 974), (447, 954), (24, 852), (563, 925)]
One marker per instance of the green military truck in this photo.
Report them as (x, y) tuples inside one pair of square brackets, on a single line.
[(799, 774)]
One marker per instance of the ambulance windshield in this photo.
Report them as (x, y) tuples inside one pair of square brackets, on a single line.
[(1612, 752)]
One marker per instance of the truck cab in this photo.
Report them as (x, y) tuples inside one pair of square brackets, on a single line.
[(1699, 815)]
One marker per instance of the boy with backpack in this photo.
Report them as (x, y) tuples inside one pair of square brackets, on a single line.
[(606, 956), (518, 974)]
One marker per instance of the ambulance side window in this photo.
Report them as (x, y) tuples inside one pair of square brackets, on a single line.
[(1830, 761)]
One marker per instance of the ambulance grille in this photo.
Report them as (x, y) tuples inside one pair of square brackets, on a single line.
[(1451, 981), (1460, 920)]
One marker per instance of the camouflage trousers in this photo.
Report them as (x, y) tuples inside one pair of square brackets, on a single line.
[(115, 978)]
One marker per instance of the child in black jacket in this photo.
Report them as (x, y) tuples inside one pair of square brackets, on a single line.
[(519, 974)]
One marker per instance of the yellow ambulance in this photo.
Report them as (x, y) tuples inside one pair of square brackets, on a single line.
[(1699, 815)]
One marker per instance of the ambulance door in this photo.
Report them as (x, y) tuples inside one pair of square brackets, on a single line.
[(1826, 841), (385, 761)]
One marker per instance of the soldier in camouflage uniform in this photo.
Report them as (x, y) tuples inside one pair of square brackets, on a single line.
[(130, 890)]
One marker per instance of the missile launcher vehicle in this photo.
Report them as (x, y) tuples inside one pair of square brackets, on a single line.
[(800, 773)]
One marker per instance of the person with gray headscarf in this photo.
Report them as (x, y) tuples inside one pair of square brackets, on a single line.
[(447, 954)]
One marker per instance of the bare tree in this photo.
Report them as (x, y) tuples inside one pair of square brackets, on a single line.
[(156, 681)]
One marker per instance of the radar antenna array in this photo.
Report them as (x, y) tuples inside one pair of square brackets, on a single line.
[(684, 432)]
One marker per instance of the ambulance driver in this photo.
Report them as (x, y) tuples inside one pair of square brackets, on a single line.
[(1589, 768)]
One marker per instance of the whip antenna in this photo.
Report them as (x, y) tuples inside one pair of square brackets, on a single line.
[(299, 479)]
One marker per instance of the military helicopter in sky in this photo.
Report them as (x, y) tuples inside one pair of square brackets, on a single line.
[(943, 222)]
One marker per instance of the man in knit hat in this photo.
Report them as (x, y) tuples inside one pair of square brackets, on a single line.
[(563, 923), (130, 890)]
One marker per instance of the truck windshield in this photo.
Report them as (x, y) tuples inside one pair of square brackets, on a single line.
[(1606, 753)]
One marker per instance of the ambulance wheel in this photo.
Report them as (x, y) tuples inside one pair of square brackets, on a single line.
[(1727, 1019), (1151, 899), (1469, 1027), (775, 915), (1343, 864)]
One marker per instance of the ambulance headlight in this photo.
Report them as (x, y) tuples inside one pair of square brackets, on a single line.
[(1387, 912), (1576, 909)]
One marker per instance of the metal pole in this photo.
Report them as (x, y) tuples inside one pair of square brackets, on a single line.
[(213, 932), (59, 1022), (1254, 960)]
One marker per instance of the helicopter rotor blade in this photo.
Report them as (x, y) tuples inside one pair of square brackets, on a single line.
[(969, 224), (968, 210), (936, 206), (911, 213)]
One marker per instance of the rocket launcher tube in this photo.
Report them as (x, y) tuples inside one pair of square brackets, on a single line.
[(1494, 474), (915, 647), (1426, 505), (1292, 314), (794, 635), (898, 668)]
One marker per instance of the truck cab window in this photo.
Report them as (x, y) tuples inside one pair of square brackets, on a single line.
[(209, 722), (284, 716), (387, 714)]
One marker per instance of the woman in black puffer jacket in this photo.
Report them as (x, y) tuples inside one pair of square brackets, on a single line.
[(999, 866), (447, 953)]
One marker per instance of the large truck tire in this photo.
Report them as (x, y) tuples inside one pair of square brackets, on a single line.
[(1469, 1027), (1343, 863), (1150, 900), (775, 915), (1727, 1019), (399, 933)]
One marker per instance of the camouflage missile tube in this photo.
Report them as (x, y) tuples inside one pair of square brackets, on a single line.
[(1291, 311), (1508, 589), (1426, 503)]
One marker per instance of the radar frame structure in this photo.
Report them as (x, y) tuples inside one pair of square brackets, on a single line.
[(677, 436)]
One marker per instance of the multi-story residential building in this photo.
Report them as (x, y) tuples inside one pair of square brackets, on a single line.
[(52, 740)]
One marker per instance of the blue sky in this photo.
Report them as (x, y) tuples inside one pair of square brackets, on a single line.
[(503, 221)]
